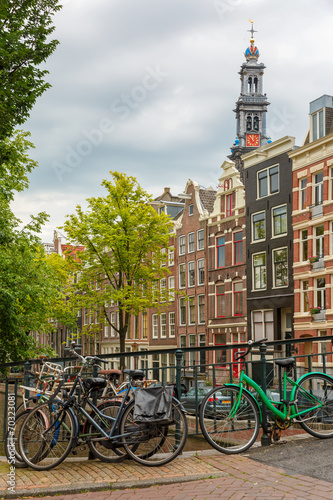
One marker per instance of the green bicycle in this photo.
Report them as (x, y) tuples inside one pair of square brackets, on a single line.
[(230, 416)]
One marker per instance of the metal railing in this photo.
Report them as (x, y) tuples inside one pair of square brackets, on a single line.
[(261, 367)]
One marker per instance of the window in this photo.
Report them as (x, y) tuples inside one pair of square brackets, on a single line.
[(191, 339), (106, 330), (191, 242), (263, 326), (258, 226), (228, 205), (182, 276), (259, 271), (201, 308), (331, 182), (318, 125), (191, 273), (172, 323), (144, 325), (220, 247), (238, 247), (181, 245), (319, 241), (86, 317), (302, 193), (182, 342), (220, 301), (155, 326), (182, 309), (279, 220), (113, 324), (202, 354), (268, 181), (318, 182), (280, 263), (163, 325), (201, 239), (201, 271), (220, 355), (190, 209), (304, 296), (171, 288), (304, 245), (238, 298), (322, 347), (320, 293), (191, 310), (171, 256), (163, 289)]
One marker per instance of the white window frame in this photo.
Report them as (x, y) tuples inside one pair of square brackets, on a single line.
[(268, 177), (154, 321), (171, 257), (200, 307), (182, 246), (191, 242), (171, 283), (253, 239), (163, 325), (191, 310), (200, 270), (191, 274), (302, 190), (172, 324), (273, 225), (267, 324), (253, 273), (201, 241), (182, 266)]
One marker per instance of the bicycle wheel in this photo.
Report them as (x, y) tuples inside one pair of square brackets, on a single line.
[(47, 435), (313, 391), (225, 429), (11, 442), (106, 450), (154, 444)]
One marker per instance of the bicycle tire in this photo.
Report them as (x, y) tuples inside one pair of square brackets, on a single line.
[(47, 435), (11, 442), (154, 444), (318, 422), (106, 450), (229, 434)]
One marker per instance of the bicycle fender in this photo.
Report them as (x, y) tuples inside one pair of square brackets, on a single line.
[(250, 395)]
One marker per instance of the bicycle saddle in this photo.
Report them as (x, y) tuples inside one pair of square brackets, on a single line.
[(285, 362), (134, 374)]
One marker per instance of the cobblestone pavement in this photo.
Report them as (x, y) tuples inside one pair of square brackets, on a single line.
[(204, 475)]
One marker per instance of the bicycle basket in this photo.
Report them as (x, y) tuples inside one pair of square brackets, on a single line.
[(153, 404)]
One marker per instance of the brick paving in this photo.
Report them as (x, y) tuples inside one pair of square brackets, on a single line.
[(189, 477)]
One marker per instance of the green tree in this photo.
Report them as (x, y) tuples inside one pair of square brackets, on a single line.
[(123, 259), (26, 26)]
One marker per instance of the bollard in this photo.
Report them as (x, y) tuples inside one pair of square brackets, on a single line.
[(265, 438)]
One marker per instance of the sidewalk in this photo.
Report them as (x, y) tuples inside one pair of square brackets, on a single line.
[(198, 475)]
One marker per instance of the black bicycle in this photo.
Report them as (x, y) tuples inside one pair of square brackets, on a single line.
[(56, 427)]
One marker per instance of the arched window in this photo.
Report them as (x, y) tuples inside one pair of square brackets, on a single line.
[(256, 123), (249, 81), (249, 122), (255, 84)]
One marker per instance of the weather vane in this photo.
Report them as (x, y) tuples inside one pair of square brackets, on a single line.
[(252, 30)]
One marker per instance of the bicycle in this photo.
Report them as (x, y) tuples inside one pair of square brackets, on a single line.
[(53, 429), (230, 415)]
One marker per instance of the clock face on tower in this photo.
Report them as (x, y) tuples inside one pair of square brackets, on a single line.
[(252, 140)]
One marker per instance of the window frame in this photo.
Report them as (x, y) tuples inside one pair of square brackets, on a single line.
[(270, 178), (255, 230), (220, 253), (237, 248), (191, 274), (220, 301), (191, 310), (201, 309), (200, 240), (181, 244), (201, 272), (228, 204), (264, 266), (182, 275), (303, 189), (163, 325), (154, 322), (239, 296), (190, 242), (275, 264), (182, 311), (172, 324), (282, 221)]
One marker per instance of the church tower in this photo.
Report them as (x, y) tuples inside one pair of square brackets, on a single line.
[(251, 106)]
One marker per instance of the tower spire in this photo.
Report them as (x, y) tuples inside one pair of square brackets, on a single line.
[(252, 30)]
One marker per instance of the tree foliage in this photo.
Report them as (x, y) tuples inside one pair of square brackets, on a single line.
[(122, 262), (26, 26)]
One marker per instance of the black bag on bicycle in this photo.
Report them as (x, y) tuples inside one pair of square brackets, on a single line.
[(153, 404)]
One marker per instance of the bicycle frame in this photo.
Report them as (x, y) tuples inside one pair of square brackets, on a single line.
[(289, 411)]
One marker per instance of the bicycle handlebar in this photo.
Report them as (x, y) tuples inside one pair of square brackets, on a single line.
[(250, 345)]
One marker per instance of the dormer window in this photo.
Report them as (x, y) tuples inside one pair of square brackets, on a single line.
[(317, 125)]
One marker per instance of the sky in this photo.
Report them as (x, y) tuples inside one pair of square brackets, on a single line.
[(148, 88)]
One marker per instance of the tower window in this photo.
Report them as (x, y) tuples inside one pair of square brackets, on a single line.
[(249, 122), (256, 123)]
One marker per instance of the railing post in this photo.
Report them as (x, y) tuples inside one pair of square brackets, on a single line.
[(265, 438), (27, 377), (179, 359)]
